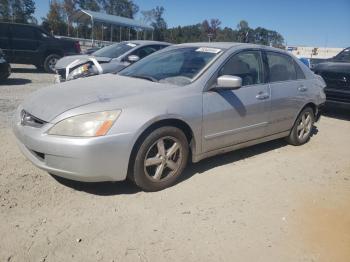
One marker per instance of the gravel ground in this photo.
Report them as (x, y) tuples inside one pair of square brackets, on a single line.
[(271, 202)]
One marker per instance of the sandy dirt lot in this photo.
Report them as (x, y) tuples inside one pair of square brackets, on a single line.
[(271, 202)]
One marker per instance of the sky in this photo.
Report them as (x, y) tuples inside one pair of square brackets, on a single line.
[(319, 23)]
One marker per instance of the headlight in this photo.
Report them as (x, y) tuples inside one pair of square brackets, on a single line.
[(81, 70), (87, 125)]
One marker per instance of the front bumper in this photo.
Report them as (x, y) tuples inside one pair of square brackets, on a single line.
[(82, 159)]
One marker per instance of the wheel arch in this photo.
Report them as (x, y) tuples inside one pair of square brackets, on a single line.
[(174, 122), (309, 104)]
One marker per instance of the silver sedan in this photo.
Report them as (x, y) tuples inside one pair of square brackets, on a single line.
[(198, 99)]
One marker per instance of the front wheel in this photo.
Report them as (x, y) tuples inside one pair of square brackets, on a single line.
[(302, 129), (161, 159), (50, 62)]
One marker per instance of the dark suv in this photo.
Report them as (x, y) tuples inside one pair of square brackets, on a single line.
[(30, 44), (336, 73)]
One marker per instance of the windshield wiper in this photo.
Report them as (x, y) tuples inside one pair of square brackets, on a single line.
[(149, 78)]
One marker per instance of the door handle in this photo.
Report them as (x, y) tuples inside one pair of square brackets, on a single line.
[(302, 88), (262, 96)]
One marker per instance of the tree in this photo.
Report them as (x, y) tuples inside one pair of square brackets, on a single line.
[(211, 29), (54, 21), (124, 8), (155, 18), (244, 32), (20, 11), (92, 5), (69, 7), (5, 11)]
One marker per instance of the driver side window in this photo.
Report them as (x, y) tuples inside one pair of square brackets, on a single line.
[(247, 65), (144, 51)]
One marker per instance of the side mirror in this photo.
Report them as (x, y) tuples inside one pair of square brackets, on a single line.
[(228, 82), (133, 58)]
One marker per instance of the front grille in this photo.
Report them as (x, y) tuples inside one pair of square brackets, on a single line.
[(30, 120)]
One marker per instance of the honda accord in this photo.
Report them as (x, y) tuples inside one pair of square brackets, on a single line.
[(195, 100)]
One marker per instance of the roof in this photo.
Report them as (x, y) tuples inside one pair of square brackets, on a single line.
[(87, 15), (147, 42), (228, 45), (220, 45)]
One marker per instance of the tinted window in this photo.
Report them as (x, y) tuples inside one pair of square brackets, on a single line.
[(23, 32), (281, 67), (115, 50), (246, 65), (145, 51), (344, 56), (300, 73), (3, 30)]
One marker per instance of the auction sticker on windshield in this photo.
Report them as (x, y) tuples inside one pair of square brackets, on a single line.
[(208, 50)]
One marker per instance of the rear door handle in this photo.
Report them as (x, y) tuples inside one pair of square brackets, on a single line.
[(262, 96), (302, 88)]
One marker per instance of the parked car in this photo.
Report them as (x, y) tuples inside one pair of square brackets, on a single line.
[(30, 44), (5, 68), (201, 99), (91, 50), (336, 73), (109, 59)]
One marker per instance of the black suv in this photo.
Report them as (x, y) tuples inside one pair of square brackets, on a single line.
[(30, 44), (336, 73)]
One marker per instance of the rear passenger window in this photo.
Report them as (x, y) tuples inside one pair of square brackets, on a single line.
[(247, 65), (300, 73), (23, 32), (281, 67)]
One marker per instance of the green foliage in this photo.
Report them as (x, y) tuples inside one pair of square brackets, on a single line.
[(20, 11), (209, 30), (155, 18), (93, 5), (125, 8), (55, 20)]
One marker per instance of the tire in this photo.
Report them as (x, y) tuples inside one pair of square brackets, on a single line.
[(302, 129), (160, 159), (49, 63)]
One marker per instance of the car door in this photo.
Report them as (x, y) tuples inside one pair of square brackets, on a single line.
[(288, 91), (5, 40), (235, 116), (24, 43)]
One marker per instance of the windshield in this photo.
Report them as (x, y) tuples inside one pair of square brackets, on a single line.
[(115, 50), (178, 66)]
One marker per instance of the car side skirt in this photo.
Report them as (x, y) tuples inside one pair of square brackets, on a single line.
[(197, 158)]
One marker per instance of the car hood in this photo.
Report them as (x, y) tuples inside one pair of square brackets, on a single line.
[(65, 61), (50, 102), (337, 67)]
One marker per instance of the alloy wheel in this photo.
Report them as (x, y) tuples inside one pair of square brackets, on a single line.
[(163, 159), (304, 126), (52, 62)]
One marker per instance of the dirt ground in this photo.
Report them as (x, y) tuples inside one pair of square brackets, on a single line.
[(271, 202)]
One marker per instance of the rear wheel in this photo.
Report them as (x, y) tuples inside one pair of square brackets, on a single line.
[(302, 128), (50, 62), (161, 158)]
